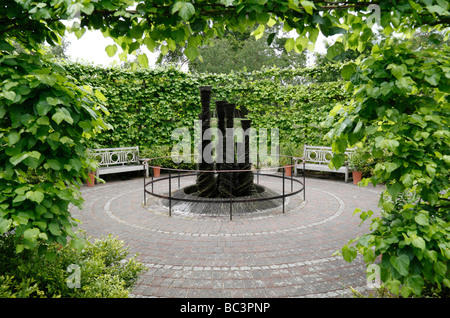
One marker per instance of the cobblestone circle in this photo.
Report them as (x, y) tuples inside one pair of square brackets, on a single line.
[(266, 254)]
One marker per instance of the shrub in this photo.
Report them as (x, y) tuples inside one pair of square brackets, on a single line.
[(103, 268), (413, 241)]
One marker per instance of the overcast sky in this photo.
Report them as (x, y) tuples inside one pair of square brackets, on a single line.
[(91, 48)]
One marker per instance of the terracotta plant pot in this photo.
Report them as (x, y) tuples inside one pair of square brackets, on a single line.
[(288, 171), (357, 176), (156, 172), (90, 182)]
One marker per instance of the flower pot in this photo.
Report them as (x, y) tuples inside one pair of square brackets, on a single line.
[(156, 171), (288, 170), (90, 182), (357, 176)]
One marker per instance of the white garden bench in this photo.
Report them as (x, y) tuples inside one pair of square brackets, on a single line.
[(317, 158), (116, 160)]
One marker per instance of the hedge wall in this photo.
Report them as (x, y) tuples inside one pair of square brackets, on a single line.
[(146, 105)]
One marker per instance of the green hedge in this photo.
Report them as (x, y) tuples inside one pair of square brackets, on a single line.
[(146, 105)]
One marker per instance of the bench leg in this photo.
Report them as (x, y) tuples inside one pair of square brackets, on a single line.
[(346, 173)]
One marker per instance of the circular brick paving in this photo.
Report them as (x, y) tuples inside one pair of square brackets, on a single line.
[(263, 254)]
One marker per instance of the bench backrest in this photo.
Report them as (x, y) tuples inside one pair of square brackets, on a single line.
[(321, 155), (116, 156)]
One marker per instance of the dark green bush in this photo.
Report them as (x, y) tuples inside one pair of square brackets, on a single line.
[(104, 270)]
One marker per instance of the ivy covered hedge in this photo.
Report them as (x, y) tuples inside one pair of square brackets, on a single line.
[(146, 105)]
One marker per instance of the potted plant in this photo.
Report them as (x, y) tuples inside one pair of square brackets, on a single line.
[(92, 167), (156, 152), (288, 150), (90, 182), (357, 162)]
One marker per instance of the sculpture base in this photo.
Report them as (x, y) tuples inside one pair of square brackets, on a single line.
[(221, 206)]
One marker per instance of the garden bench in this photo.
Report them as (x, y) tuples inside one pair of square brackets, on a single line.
[(317, 158), (116, 160)]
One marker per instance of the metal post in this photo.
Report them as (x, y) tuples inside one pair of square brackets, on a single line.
[(231, 197), (257, 168), (178, 168), (304, 186), (170, 195), (153, 175), (145, 197), (292, 182), (283, 190)]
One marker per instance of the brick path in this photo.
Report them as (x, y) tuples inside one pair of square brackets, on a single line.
[(267, 254)]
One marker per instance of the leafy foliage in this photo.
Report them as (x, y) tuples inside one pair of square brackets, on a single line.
[(145, 106), (44, 124), (105, 270), (164, 25), (400, 106)]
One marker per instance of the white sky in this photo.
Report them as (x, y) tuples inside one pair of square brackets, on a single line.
[(91, 48)]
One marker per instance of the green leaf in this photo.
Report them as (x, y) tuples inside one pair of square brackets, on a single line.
[(440, 268), (431, 255), (308, 6), (398, 70), (270, 38), (186, 11), (334, 50), (43, 107), (349, 253), (422, 219), (111, 50), (31, 234), (313, 33), (395, 189), (390, 144), (43, 121), (88, 8), (15, 160), (77, 244), (418, 242), (20, 248), (348, 70), (143, 60), (150, 43), (394, 286), (290, 43), (54, 164), (416, 283), (401, 264), (11, 95), (5, 225), (36, 196), (178, 35), (338, 161), (100, 96), (58, 117), (54, 228), (191, 53), (13, 138)]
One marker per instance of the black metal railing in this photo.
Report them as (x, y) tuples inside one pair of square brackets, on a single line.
[(297, 185)]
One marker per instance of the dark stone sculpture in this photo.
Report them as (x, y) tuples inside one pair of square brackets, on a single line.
[(226, 184), (244, 180), (227, 179), (206, 181)]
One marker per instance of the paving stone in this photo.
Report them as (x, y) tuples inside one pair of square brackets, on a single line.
[(266, 254)]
